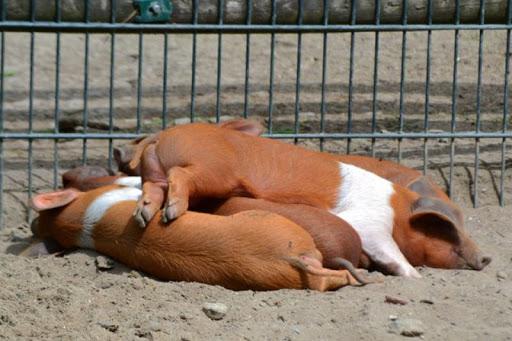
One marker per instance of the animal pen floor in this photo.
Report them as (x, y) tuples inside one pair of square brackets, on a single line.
[(69, 297)]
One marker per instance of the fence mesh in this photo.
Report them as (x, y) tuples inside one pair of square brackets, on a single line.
[(432, 94)]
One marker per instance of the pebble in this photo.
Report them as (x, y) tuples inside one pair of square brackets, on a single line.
[(501, 275), (134, 274), (103, 263), (407, 327), (296, 330), (109, 326), (215, 311), (395, 300), (144, 334)]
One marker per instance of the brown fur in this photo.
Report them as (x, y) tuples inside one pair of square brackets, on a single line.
[(205, 161), (85, 178), (269, 252), (333, 236)]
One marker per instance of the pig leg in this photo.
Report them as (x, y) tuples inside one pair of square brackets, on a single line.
[(154, 185), (149, 203), (180, 182), (320, 278), (384, 251)]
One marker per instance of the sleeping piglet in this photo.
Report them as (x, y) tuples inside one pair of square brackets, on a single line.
[(254, 250)]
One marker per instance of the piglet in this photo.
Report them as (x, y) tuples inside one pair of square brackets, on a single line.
[(254, 250), (334, 237)]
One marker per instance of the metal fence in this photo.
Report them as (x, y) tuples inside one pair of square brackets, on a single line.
[(335, 124)]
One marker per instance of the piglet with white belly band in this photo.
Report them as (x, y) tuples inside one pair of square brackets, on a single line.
[(250, 250), (399, 227)]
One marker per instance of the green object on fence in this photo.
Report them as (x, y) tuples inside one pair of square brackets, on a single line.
[(151, 11)]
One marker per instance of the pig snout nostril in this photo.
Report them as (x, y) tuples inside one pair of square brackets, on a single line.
[(481, 262), (484, 261)]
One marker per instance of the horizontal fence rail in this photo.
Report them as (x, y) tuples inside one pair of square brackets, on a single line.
[(366, 97)]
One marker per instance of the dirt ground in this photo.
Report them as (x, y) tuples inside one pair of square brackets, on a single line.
[(69, 297)]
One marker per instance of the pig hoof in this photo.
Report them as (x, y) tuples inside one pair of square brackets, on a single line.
[(172, 210), (139, 217), (144, 212)]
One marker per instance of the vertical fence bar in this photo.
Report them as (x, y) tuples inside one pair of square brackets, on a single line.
[(219, 62), (428, 76), (164, 85), (139, 82), (455, 90), (247, 59), (272, 62), (505, 109), (297, 77), (85, 114), (57, 98), (2, 69), (375, 75), (31, 106), (324, 72), (478, 107), (195, 11), (402, 78), (113, 10), (351, 73)]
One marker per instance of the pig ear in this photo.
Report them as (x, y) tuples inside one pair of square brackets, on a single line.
[(434, 217), (423, 186), (248, 127), (47, 201)]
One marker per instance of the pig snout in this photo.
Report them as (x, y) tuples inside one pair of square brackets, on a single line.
[(473, 258), (479, 262)]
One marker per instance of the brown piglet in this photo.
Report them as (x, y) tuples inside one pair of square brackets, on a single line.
[(254, 250), (334, 237)]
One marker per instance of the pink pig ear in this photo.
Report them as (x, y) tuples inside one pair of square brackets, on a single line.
[(47, 201), (248, 127)]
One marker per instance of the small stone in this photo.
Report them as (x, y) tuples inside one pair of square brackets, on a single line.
[(144, 334), (103, 263), (501, 275), (392, 317), (184, 317), (215, 311), (296, 330), (134, 274), (407, 327), (395, 300), (109, 326)]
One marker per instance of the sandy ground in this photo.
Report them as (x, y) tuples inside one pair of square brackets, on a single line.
[(70, 298)]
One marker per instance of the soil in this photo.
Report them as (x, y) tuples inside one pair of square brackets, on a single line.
[(69, 297)]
